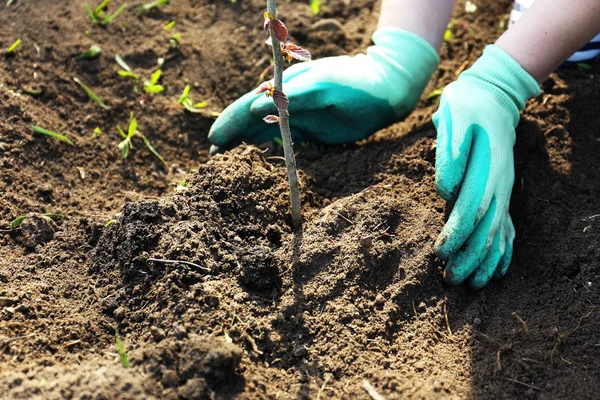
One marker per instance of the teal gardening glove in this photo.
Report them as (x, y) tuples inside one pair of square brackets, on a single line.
[(338, 99), (476, 124)]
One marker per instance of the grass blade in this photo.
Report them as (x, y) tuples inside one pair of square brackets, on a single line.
[(91, 53), (13, 47), (121, 351), (152, 149), (108, 19), (123, 64), (89, 92), (18, 221), (91, 13), (315, 6), (101, 7), (43, 131)]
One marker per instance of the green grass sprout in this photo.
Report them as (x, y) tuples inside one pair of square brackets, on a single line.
[(98, 14), (435, 93), (12, 48), (43, 131), (97, 132), (186, 101), (126, 146), (33, 93), (315, 6), (151, 85), (149, 6), (175, 40), (18, 221), (121, 351), (9, 2), (169, 26), (122, 63), (181, 186), (93, 52), (89, 92)]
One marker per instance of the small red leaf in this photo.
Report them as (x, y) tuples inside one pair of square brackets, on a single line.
[(280, 99), (271, 119), (266, 24), (297, 52), (266, 86), (279, 30)]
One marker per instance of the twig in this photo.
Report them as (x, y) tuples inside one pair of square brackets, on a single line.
[(178, 262), (446, 317), (13, 339), (524, 384), (284, 126), (521, 321), (322, 387), (371, 390)]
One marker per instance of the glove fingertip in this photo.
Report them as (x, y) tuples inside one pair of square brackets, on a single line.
[(504, 263), (214, 150), (453, 274)]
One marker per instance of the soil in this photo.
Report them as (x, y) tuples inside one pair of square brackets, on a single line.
[(355, 301)]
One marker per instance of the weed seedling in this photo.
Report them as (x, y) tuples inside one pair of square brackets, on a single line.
[(282, 49), (98, 14), (121, 351), (89, 92), (93, 52), (149, 6), (169, 26), (127, 72), (97, 132), (175, 40), (12, 48), (151, 85), (186, 101), (315, 6), (46, 132), (126, 146)]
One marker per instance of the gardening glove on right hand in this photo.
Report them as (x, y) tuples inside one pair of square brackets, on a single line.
[(476, 124), (338, 99)]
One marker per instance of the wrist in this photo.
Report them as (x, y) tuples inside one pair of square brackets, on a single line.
[(407, 55), (498, 72)]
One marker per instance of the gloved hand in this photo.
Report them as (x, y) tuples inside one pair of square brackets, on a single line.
[(338, 99), (476, 124)]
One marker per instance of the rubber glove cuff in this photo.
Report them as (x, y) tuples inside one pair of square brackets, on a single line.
[(411, 57), (497, 72)]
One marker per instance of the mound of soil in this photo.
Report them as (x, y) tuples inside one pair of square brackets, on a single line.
[(211, 292)]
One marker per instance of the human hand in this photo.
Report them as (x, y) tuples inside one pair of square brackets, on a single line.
[(337, 99), (476, 124)]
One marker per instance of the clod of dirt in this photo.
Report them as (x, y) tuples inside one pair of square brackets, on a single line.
[(36, 231), (199, 366), (258, 270)]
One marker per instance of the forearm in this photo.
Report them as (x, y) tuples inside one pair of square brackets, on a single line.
[(549, 32), (426, 18)]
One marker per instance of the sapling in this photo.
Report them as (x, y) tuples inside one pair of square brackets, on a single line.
[(281, 48)]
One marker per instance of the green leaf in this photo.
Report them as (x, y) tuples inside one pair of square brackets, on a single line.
[(18, 221), (153, 88), (584, 66), (89, 92), (122, 63), (98, 10), (184, 96), (91, 13), (132, 128), (97, 132), (169, 26), (109, 222), (155, 77), (110, 18), (278, 141), (91, 53), (315, 6), (121, 132), (125, 146), (56, 217), (435, 93), (13, 47), (121, 351), (152, 149), (149, 6), (43, 131), (33, 93), (128, 74)]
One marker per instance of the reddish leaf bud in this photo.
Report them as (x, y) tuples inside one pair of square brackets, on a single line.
[(266, 86), (296, 52), (271, 119), (280, 99), (279, 30)]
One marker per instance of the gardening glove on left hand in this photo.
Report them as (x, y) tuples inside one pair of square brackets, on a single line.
[(476, 124), (338, 100)]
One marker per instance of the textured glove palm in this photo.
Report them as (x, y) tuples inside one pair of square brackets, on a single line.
[(338, 99), (476, 124)]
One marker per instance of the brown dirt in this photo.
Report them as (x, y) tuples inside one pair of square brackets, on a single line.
[(263, 313)]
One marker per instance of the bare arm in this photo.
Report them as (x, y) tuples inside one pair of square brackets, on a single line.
[(549, 32), (426, 18)]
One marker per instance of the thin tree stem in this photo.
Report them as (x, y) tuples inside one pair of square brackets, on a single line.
[(284, 125)]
